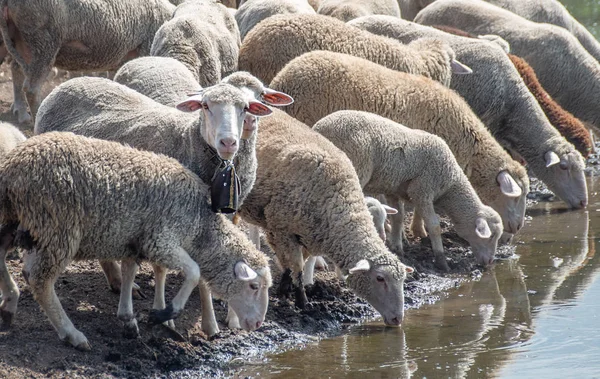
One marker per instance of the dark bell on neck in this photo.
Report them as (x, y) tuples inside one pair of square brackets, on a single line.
[(225, 189)]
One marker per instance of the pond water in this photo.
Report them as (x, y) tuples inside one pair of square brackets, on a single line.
[(534, 315)]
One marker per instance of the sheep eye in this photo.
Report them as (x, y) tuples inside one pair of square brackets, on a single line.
[(563, 165), (380, 279), (204, 105), (254, 286)]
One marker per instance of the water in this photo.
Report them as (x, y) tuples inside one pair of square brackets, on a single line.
[(537, 315)]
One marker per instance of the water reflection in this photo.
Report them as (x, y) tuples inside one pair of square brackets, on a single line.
[(484, 326)]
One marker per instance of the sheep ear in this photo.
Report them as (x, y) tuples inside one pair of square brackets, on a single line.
[(362, 265), (460, 68), (482, 229), (276, 98), (256, 108), (508, 185), (193, 103), (408, 269), (244, 272), (551, 158), (389, 210)]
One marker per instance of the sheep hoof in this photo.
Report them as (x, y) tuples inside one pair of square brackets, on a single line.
[(131, 331), (24, 117), (158, 316), (7, 318), (441, 264), (84, 346)]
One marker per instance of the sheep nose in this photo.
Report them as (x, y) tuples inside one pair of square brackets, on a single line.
[(228, 142), (396, 321), (258, 324), (583, 203), (519, 226)]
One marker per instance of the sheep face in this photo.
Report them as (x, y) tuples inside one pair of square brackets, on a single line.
[(565, 177), (224, 109), (483, 234), (248, 295), (382, 285), (511, 203)]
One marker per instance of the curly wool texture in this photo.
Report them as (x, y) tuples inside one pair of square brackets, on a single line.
[(307, 194), (347, 10), (251, 12), (563, 67), (204, 36), (10, 137), (164, 80), (168, 82), (552, 12), (85, 35), (495, 91), (323, 82), (92, 199), (568, 126), (279, 39), (101, 108)]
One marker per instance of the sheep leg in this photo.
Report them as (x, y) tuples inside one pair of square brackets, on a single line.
[(289, 254), (160, 279), (417, 226), (233, 320), (209, 321), (309, 270), (112, 272), (432, 224), (8, 287), (19, 105), (177, 259), (125, 312), (397, 222), (42, 287)]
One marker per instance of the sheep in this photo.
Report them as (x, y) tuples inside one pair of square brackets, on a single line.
[(10, 136), (410, 8), (202, 35), (115, 202), (163, 79), (552, 12), (564, 68), (61, 35), (347, 10), (567, 125), (289, 36), (307, 195), (324, 82), (412, 165), (498, 95), (254, 11)]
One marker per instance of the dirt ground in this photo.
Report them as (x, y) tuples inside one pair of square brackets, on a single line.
[(31, 348)]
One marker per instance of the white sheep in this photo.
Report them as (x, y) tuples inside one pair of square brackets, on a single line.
[(115, 202), (251, 12), (323, 82), (307, 195), (415, 166), (564, 68), (498, 95), (279, 39), (204, 36), (552, 12), (10, 137), (59, 34), (347, 10)]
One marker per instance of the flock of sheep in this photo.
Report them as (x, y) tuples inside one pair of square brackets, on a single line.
[(130, 169)]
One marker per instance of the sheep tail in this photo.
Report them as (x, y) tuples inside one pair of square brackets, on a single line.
[(8, 42)]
